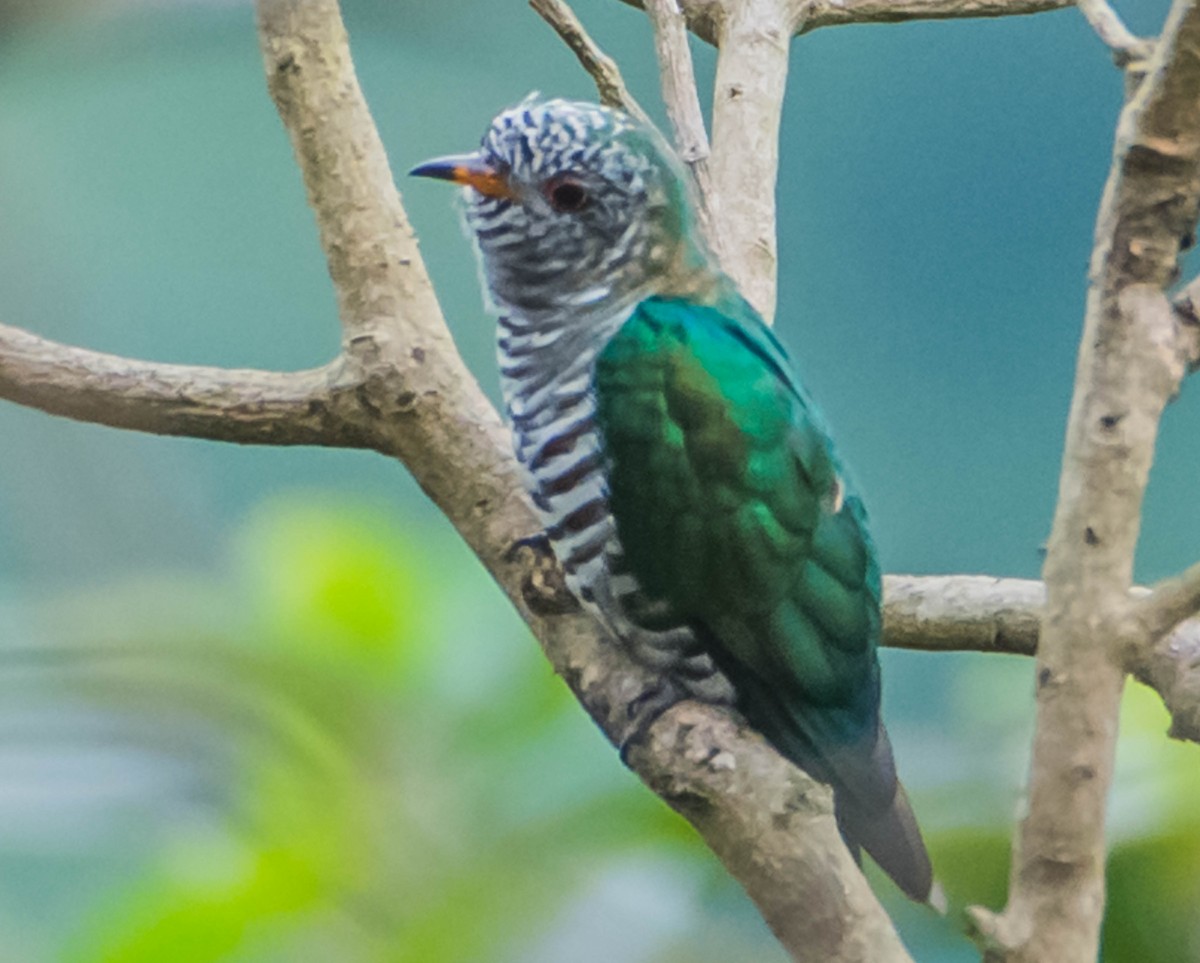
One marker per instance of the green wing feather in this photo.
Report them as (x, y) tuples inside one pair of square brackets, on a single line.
[(732, 516)]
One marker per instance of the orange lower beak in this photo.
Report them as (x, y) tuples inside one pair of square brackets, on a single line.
[(470, 170)]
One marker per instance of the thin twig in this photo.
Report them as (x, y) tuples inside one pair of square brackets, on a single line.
[(682, 100), (603, 70), (1126, 47)]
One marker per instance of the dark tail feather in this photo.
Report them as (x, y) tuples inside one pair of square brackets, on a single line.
[(892, 838)]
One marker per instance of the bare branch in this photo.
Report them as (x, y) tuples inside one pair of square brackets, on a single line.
[(1172, 669), (1168, 603), (790, 835), (430, 411), (243, 406), (1187, 316), (954, 613), (1129, 368), (1125, 46), (704, 17), (678, 81), (830, 13), (752, 65), (603, 70)]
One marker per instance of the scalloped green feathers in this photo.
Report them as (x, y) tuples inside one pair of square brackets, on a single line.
[(733, 518)]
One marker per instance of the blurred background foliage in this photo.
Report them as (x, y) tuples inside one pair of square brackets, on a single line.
[(261, 705)]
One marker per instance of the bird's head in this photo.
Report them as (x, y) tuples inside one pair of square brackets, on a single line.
[(573, 205)]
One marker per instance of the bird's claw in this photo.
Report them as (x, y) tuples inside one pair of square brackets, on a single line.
[(645, 709), (538, 542)]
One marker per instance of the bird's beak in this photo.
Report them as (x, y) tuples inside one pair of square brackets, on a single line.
[(470, 170)]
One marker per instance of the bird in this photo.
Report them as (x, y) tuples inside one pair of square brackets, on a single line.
[(687, 483)]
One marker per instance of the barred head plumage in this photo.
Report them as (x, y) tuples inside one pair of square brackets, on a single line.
[(572, 204)]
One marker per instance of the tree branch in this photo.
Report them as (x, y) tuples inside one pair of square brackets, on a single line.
[(1125, 46), (704, 17), (832, 13), (1167, 604), (752, 65), (243, 406), (603, 70), (962, 613), (1172, 669), (1187, 318), (820, 907), (682, 100), (1129, 367), (978, 613)]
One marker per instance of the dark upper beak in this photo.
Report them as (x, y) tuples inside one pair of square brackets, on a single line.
[(470, 170)]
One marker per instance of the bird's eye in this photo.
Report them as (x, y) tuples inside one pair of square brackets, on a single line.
[(566, 195)]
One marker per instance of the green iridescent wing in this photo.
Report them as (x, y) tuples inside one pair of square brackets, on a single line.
[(732, 516)]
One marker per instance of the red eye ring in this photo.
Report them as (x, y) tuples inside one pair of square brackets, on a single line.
[(567, 195)]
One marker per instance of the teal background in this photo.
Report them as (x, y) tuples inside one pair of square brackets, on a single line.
[(257, 703)]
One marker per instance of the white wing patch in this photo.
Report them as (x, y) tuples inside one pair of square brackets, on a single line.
[(837, 494)]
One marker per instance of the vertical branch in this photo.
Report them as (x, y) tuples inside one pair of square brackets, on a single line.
[(752, 64), (682, 100), (1130, 364)]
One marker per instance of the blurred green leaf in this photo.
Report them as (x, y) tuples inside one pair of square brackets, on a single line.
[(1157, 781), (1153, 895), (972, 865), (205, 906), (339, 585)]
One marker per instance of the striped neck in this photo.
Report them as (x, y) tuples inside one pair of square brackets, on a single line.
[(540, 352)]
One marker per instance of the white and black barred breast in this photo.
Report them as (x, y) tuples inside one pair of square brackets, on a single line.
[(546, 375)]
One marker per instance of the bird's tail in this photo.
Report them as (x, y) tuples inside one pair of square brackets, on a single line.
[(892, 838)]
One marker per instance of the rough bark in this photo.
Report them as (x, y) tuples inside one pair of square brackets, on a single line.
[(1130, 365)]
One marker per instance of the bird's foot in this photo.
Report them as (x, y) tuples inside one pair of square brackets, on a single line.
[(538, 543), (645, 710), (543, 588)]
